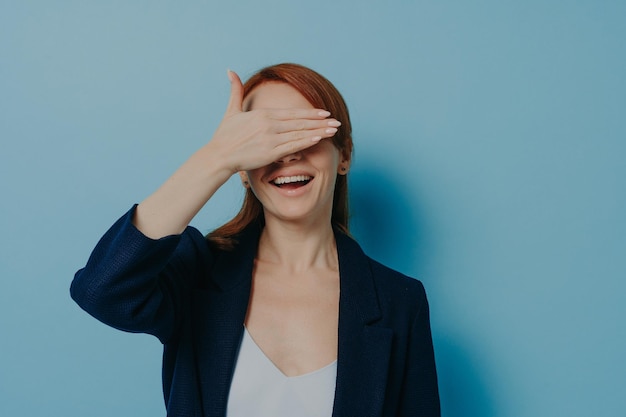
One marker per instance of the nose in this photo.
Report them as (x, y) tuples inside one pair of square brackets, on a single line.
[(296, 156)]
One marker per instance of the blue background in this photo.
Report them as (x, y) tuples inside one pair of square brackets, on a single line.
[(490, 144)]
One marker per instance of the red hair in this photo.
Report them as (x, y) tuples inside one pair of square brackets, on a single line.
[(322, 95)]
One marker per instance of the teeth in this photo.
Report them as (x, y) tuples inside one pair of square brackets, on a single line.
[(294, 178)]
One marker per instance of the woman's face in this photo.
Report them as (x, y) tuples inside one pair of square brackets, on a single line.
[(298, 187)]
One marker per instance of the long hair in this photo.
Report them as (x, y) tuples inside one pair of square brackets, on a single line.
[(322, 95)]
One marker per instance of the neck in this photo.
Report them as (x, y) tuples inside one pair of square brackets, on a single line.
[(298, 247)]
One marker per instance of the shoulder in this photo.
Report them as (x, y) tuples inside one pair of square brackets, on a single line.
[(224, 268), (397, 292), (397, 296), (388, 279)]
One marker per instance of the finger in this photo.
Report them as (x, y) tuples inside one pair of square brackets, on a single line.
[(296, 141), (284, 126), (290, 114), (295, 146), (235, 103)]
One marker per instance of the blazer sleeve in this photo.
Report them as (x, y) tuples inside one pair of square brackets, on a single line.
[(420, 392), (138, 284)]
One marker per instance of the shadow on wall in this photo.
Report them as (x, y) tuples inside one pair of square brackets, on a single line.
[(391, 229), (462, 386), (382, 219)]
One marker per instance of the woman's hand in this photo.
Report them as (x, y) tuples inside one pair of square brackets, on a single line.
[(243, 141), (252, 139)]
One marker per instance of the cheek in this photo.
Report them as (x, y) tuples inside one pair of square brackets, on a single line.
[(254, 179), (255, 175), (327, 156)]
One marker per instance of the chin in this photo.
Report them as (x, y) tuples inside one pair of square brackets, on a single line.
[(298, 215)]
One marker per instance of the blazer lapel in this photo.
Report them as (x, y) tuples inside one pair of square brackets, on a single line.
[(219, 315), (364, 350)]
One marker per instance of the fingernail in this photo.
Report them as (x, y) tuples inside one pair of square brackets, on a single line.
[(316, 138), (229, 73), (331, 130), (334, 123), (324, 113)]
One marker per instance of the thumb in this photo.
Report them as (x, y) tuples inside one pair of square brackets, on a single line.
[(235, 103)]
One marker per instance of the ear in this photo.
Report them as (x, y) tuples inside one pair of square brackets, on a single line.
[(344, 167), (244, 179)]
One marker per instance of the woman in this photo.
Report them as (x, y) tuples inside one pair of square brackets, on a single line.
[(278, 312)]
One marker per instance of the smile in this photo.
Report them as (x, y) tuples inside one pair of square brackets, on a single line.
[(293, 181)]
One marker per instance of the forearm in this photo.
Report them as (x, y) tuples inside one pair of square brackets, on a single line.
[(169, 209)]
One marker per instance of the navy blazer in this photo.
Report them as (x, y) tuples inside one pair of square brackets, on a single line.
[(195, 298)]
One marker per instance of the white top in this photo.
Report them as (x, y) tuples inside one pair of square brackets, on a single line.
[(260, 389)]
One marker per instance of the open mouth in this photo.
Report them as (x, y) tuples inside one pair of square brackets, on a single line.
[(293, 182)]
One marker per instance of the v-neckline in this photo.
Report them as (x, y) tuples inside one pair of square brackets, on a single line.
[(267, 360)]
